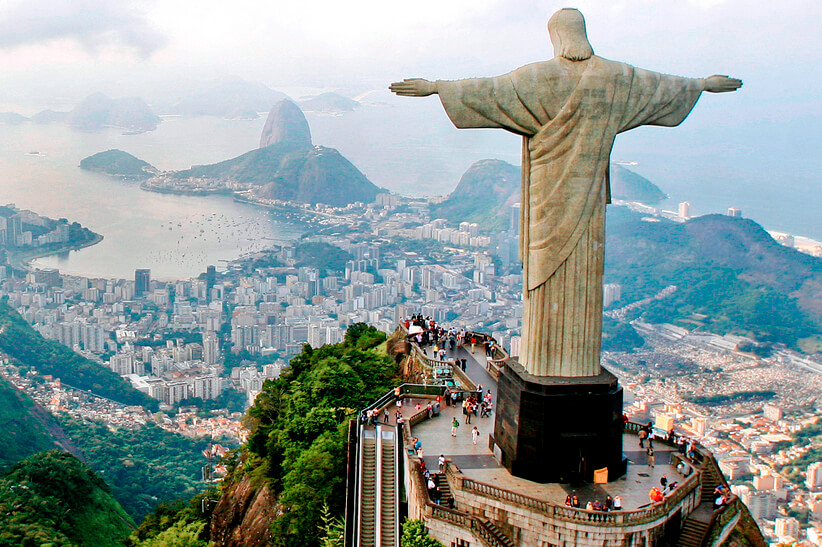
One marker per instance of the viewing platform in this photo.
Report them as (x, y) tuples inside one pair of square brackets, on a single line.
[(478, 501)]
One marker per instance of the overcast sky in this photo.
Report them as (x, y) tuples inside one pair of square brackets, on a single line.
[(76, 46)]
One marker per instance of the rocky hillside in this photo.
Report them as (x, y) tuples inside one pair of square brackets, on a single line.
[(286, 123), (117, 163)]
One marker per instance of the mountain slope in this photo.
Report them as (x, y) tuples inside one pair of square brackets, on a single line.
[(227, 99), (630, 186), (727, 268), (26, 347), (27, 428), (288, 171), (484, 195), (53, 499)]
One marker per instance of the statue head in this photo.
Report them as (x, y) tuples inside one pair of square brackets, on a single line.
[(567, 30)]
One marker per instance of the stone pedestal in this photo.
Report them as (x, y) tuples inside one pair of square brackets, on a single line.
[(558, 429)]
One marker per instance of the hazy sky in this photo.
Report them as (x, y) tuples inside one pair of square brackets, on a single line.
[(74, 47), (763, 141)]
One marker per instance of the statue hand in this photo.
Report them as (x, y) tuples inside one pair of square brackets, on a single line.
[(414, 87), (721, 84)]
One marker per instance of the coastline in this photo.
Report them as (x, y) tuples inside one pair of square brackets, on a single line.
[(22, 260)]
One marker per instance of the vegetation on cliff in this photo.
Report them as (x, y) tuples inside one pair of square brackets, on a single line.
[(299, 424), (117, 163), (297, 446), (53, 499), (26, 347), (143, 467)]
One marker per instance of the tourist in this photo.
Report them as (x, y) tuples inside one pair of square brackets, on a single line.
[(479, 391), (618, 503), (575, 502), (475, 435), (454, 397), (598, 506), (441, 462), (473, 343), (609, 503), (429, 410), (385, 415), (642, 436), (568, 500), (651, 457), (420, 452), (589, 506), (663, 482), (454, 425), (447, 396)]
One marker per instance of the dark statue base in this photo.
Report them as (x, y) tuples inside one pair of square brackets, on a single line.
[(557, 429)]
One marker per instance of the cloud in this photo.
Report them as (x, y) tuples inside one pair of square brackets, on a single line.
[(93, 24)]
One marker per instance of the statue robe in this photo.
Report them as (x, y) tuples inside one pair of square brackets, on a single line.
[(569, 114)]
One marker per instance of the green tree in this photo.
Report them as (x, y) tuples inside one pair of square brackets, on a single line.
[(414, 534)]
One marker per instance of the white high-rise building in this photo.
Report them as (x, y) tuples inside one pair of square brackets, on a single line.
[(813, 476), (207, 387), (785, 527), (211, 349)]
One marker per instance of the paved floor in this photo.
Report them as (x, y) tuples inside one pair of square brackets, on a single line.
[(476, 461)]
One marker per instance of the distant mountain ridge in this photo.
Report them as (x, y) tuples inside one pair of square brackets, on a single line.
[(98, 111), (228, 100), (329, 102)]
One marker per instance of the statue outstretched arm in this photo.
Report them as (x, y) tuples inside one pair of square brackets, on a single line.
[(414, 87), (719, 83)]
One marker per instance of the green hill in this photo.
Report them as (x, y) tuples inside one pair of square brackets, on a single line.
[(728, 269), (286, 171), (26, 347), (117, 163), (629, 186), (53, 499), (484, 195), (27, 427)]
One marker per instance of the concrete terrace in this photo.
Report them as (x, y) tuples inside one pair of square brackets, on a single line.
[(476, 461)]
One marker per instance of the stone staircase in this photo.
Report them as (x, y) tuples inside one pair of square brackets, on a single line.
[(698, 523), (499, 536)]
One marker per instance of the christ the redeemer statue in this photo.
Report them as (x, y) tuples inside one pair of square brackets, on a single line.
[(568, 111)]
